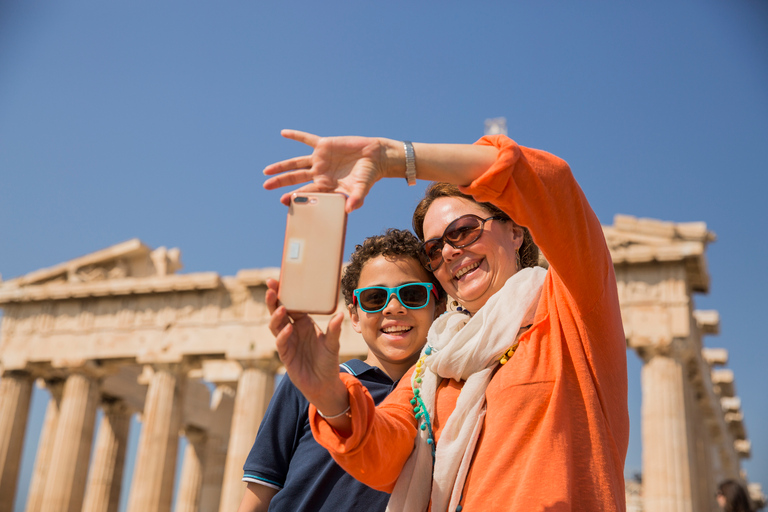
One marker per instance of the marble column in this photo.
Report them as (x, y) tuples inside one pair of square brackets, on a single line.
[(15, 393), (667, 484), (216, 450), (45, 446), (191, 479), (65, 485), (254, 390), (102, 494), (213, 474), (153, 476)]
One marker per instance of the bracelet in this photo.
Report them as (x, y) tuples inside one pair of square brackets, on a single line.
[(410, 163), (342, 413)]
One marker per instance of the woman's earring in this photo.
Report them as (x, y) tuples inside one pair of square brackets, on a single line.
[(517, 260)]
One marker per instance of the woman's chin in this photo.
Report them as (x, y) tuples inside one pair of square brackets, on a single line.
[(473, 294)]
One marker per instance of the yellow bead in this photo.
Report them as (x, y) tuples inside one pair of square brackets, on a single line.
[(503, 360)]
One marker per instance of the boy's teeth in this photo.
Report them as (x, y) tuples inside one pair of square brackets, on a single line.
[(397, 328), (465, 270)]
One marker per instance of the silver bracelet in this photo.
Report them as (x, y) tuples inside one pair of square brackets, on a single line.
[(342, 413), (410, 163)]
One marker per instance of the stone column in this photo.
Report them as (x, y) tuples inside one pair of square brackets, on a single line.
[(45, 446), (667, 485), (254, 390), (102, 493), (191, 479), (65, 485), (216, 450), (15, 393), (153, 476)]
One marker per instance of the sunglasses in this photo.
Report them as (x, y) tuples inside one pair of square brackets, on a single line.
[(373, 299), (460, 233)]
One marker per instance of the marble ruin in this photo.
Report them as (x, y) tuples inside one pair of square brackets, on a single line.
[(121, 331)]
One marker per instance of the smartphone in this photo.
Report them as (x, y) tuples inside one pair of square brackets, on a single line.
[(310, 272)]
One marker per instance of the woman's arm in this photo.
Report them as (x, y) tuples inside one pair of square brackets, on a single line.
[(310, 357), (381, 438), (351, 165), (538, 190)]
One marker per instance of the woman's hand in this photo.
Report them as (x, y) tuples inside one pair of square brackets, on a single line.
[(310, 356), (350, 165)]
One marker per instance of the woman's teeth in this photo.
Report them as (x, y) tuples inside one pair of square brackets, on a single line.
[(466, 269)]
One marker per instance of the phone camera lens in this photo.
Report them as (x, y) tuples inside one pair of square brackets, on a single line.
[(300, 199)]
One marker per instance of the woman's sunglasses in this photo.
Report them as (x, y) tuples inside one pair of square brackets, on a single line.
[(460, 233), (375, 298)]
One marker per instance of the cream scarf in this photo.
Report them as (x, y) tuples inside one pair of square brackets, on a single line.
[(463, 348)]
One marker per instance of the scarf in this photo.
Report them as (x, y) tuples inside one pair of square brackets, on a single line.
[(465, 349)]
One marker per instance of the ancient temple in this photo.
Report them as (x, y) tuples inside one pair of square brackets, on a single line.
[(120, 330)]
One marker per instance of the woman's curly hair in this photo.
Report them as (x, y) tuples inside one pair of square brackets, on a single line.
[(529, 252), (394, 242)]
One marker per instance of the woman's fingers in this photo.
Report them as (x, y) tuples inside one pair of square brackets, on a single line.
[(287, 179), (285, 349), (299, 162), (278, 320), (333, 333), (307, 138), (270, 296)]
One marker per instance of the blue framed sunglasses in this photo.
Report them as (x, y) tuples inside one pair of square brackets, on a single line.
[(373, 299)]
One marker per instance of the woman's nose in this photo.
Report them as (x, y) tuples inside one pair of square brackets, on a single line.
[(449, 252)]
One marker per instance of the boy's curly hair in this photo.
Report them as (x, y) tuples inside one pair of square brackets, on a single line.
[(394, 242)]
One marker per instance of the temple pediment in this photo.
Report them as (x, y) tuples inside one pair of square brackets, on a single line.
[(110, 271), (127, 259)]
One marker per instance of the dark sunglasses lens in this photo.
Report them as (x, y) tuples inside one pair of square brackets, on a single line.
[(414, 295), (433, 251), (373, 299), (464, 230)]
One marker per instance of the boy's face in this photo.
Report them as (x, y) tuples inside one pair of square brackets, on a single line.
[(396, 334)]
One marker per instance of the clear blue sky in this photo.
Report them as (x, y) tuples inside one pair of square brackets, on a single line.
[(154, 120)]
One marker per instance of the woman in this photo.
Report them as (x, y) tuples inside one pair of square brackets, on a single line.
[(732, 497), (548, 430)]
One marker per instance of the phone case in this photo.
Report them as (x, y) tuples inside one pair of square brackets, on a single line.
[(310, 273)]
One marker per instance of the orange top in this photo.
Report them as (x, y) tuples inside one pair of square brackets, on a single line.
[(556, 428)]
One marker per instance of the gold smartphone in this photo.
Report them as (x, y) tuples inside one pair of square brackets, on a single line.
[(310, 272)]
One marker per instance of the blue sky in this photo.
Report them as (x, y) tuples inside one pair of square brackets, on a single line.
[(154, 120)]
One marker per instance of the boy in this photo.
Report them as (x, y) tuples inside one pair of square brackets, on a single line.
[(392, 301)]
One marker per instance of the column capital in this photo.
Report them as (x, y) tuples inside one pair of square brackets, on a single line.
[(681, 349), (266, 365), (194, 435), (17, 374), (149, 369), (89, 368)]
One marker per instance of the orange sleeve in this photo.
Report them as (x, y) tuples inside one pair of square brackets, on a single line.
[(538, 191), (382, 437)]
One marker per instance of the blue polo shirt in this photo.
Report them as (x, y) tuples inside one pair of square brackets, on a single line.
[(286, 456)]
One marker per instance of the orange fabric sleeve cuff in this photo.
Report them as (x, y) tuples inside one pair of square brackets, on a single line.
[(362, 409)]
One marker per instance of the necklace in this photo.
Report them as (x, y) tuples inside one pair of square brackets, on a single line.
[(419, 408)]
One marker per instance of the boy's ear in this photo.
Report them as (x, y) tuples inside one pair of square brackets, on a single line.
[(354, 318), (440, 306)]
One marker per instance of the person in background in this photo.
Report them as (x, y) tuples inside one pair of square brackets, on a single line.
[(732, 497), (519, 399), (392, 301)]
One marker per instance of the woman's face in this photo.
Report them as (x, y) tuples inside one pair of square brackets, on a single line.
[(474, 273), (396, 334)]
